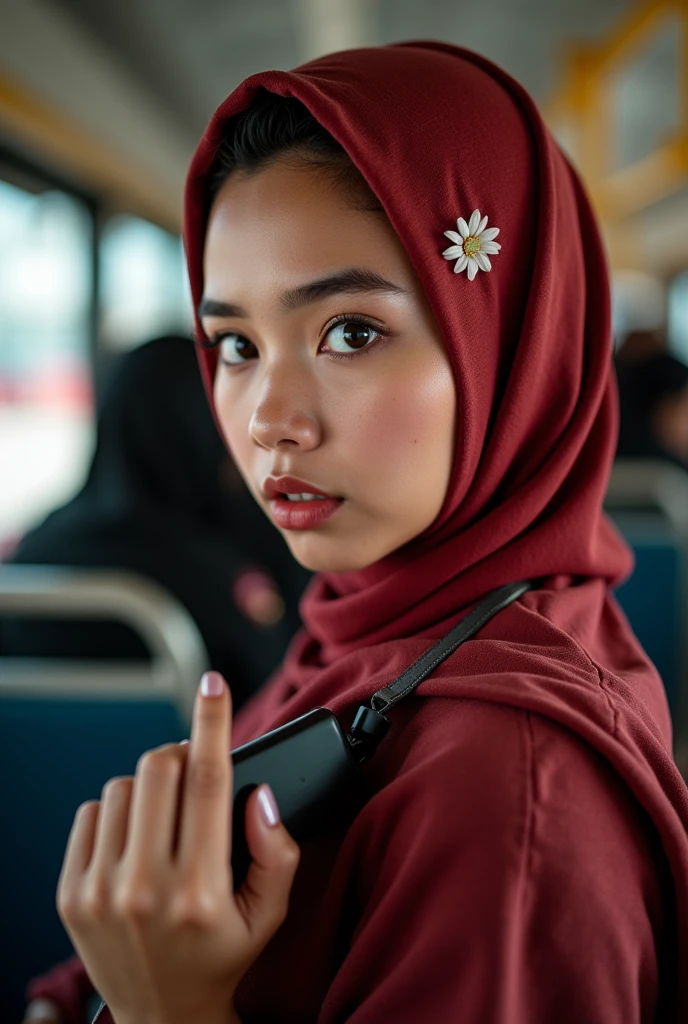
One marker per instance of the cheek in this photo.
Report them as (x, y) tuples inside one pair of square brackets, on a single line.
[(405, 433), (389, 433)]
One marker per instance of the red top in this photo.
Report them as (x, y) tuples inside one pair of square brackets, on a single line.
[(524, 856)]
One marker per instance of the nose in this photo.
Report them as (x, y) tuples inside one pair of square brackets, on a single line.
[(285, 414)]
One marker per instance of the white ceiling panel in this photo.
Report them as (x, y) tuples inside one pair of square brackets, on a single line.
[(191, 53)]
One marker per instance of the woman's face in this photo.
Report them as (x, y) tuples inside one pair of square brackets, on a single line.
[(332, 369)]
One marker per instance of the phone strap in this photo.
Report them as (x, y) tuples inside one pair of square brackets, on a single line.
[(371, 724)]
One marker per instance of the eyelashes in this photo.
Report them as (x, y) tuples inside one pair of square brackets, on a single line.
[(358, 321), (215, 340)]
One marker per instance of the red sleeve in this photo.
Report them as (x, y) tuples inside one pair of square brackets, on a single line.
[(508, 878), (68, 986)]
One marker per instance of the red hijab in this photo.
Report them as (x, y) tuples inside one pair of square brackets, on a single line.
[(439, 132)]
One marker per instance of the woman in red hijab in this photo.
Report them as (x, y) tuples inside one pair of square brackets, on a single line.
[(404, 309)]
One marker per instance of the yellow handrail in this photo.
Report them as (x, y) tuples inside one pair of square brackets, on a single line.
[(582, 104), (87, 160)]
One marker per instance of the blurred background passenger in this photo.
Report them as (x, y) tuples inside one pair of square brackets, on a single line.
[(653, 395), (162, 498)]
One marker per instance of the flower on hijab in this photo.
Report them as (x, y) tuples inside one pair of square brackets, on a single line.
[(475, 243)]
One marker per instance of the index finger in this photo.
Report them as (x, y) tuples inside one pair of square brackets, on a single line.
[(205, 819)]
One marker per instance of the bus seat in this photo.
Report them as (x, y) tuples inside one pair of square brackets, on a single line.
[(68, 727), (650, 484), (648, 501), (54, 754), (178, 654), (652, 597)]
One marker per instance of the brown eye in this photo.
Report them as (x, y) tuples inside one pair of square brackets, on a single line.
[(350, 336), (234, 349)]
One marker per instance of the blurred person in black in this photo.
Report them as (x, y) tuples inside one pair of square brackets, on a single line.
[(653, 395), (162, 498)]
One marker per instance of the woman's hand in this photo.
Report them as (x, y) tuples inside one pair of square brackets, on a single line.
[(146, 886)]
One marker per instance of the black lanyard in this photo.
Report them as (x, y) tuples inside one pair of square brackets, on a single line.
[(371, 724)]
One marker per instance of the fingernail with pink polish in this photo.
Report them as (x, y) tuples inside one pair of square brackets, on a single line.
[(268, 806), (212, 684)]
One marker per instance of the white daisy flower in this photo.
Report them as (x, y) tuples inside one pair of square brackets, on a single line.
[(474, 244)]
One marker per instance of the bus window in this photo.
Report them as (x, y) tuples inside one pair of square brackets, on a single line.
[(678, 316), (46, 428), (144, 291)]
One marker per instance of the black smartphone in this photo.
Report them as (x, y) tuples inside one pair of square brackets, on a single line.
[(310, 766)]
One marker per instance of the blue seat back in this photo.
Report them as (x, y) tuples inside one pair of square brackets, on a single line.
[(54, 754), (652, 598)]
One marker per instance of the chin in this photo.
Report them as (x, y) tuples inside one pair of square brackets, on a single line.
[(320, 555)]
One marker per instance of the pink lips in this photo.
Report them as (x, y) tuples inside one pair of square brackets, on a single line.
[(292, 515), (276, 486)]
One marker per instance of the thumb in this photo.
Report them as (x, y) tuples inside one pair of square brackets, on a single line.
[(264, 896)]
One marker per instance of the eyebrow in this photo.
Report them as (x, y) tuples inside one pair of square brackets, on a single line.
[(353, 279)]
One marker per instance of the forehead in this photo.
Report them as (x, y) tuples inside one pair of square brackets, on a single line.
[(290, 222)]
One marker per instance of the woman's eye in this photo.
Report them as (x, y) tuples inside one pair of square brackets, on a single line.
[(350, 336), (234, 349)]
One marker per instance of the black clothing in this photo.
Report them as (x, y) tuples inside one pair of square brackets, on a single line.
[(643, 384)]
